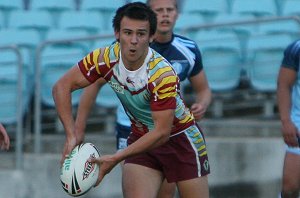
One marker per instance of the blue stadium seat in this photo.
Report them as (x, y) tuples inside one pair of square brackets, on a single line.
[(242, 29), (207, 9), (26, 40), (1, 21), (255, 8), (103, 42), (105, 8), (289, 27), (81, 20), (265, 54), (54, 7), (9, 79), (291, 7), (40, 21), (54, 63), (187, 20), (7, 6), (221, 53), (61, 34)]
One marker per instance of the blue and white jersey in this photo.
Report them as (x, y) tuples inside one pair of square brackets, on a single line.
[(291, 61), (184, 56)]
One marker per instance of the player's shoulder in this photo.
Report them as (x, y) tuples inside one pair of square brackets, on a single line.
[(184, 40), (294, 46)]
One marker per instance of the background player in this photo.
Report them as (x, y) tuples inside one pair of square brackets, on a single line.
[(4, 138), (288, 95)]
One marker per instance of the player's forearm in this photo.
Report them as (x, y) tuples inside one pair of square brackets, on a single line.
[(204, 98), (62, 98)]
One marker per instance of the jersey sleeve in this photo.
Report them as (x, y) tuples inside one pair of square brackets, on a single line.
[(291, 56), (198, 67), (163, 85), (89, 64), (99, 62)]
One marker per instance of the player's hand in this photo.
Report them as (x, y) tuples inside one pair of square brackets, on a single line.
[(198, 110), (106, 163), (4, 139), (70, 144), (289, 133)]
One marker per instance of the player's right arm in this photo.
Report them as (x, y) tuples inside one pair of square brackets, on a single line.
[(86, 102), (286, 80), (61, 92)]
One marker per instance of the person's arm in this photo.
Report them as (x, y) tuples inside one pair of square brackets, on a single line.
[(163, 121), (4, 138), (203, 95), (87, 100), (286, 80), (61, 92)]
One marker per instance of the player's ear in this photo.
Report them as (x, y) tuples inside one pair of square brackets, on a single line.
[(117, 36)]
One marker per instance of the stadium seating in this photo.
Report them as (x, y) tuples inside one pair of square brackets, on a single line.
[(81, 20), (40, 21), (54, 63), (7, 6), (290, 7), (265, 55), (61, 34), (207, 9), (289, 27), (105, 8), (223, 72), (261, 9), (187, 20), (27, 47), (54, 7)]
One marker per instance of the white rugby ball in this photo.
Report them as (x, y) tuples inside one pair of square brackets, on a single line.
[(78, 175)]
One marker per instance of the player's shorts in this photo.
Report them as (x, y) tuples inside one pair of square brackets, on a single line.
[(122, 133), (183, 157), (295, 150)]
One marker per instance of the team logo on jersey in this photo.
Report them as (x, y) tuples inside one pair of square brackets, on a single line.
[(117, 87), (128, 80)]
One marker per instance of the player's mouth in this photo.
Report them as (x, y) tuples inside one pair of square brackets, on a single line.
[(165, 22), (132, 51)]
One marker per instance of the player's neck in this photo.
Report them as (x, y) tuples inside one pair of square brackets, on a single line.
[(163, 38)]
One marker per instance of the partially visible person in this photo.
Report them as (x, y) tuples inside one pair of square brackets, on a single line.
[(185, 58), (165, 140), (288, 96), (4, 138)]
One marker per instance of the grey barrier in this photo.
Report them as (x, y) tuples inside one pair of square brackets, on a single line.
[(19, 124)]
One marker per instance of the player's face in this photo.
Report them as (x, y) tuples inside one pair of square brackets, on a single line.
[(167, 14), (134, 37)]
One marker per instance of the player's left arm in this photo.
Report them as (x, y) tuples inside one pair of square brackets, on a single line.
[(163, 121), (203, 94)]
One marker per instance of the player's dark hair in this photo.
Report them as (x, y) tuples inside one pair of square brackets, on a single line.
[(138, 11)]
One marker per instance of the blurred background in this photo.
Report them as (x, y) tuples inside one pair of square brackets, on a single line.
[(241, 42)]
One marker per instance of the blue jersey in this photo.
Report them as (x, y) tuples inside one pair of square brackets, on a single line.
[(185, 58), (291, 61)]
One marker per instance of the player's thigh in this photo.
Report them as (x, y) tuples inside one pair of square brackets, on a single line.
[(140, 181), (167, 190), (291, 171), (194, 188)]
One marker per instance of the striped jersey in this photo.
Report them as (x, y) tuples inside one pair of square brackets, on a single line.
[(291, 60), (152, 87), (185, 58)]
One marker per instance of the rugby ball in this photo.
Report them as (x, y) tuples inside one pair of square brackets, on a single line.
[(78, 175)]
